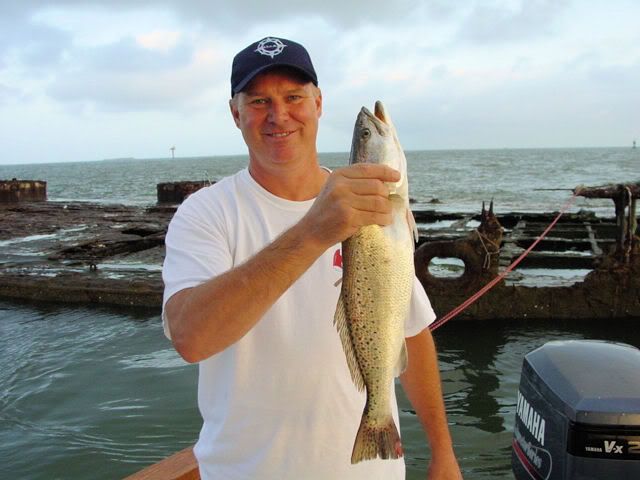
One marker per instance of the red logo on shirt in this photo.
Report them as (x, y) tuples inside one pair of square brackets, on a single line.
[(337, 259)]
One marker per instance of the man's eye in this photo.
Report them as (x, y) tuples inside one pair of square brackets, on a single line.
[(259, 101), (294, 98)]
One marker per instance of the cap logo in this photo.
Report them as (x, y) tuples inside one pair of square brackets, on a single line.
[(270, 47)]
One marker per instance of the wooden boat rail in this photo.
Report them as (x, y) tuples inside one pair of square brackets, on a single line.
[(179, 466)]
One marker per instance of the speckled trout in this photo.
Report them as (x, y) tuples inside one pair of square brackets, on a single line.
[(376, 290)]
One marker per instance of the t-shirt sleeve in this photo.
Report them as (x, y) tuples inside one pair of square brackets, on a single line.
[(421, 314), (197, 249)]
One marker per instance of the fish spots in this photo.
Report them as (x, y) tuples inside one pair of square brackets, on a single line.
[(378, 277)]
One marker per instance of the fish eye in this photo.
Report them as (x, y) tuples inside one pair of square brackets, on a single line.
[(366, 133)]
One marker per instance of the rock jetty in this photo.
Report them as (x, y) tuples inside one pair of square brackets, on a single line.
[(77, 252)]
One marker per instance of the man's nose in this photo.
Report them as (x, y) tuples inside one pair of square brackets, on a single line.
[(278, 111)]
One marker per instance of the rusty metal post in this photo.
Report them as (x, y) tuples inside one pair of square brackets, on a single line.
[(621, 223), (13, 191), (633, 218), (631, 226), (176, 192), (624, 197)]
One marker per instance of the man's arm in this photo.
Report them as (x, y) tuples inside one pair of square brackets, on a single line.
[(421, 383), (206, 319)]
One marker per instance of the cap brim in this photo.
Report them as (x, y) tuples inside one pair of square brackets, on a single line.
[(245, 81)]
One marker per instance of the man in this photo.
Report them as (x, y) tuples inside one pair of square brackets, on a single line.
[(250, 293)]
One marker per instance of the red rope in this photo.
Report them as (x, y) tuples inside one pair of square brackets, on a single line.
[(438, 323)]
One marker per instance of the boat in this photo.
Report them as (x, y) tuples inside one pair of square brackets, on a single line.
[(605, 253), (179, 466)]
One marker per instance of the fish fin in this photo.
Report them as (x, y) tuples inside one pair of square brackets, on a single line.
[(412, 225), (376, 439), (403, 360), (340, 321)]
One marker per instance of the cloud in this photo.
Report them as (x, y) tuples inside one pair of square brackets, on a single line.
[(131, 55), (126, 77), (453, 74), (228, 17), (30, 44), (147, 69), (495, 22), (165, 67), (159, 40), (345, 15), (9, 95)]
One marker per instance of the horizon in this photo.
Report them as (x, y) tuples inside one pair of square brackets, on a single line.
[(346, 153)]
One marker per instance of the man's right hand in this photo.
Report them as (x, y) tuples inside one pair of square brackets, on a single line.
[(198, 317), (352, 197)]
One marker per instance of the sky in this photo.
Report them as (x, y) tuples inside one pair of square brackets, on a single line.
[(84, 80)]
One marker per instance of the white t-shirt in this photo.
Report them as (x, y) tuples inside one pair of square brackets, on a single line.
[(279, 403)]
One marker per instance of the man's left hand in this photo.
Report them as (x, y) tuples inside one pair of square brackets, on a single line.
[(444, 469)]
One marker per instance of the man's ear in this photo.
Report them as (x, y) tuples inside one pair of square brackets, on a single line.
[(319, 102), (235, 113)]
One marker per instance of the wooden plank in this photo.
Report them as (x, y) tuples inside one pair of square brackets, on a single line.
[(510, 249), (179, 466), (592, 238), (608, 191), (462, 222)]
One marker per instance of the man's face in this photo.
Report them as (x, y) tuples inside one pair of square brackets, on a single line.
[(278, 115)]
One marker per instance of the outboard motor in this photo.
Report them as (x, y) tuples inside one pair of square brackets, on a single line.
[(578, 412)]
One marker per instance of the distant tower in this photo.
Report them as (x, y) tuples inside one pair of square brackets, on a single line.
[(173, 151), (634, 144)]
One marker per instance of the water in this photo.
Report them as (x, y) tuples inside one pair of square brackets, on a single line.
[(99, 393), (460, 179), (89, 393)]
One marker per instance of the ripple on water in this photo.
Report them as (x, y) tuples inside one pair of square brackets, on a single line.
[(72, 401), (161, 359)]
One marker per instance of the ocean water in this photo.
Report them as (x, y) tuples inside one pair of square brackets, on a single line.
[(99, 393), (517, 179)]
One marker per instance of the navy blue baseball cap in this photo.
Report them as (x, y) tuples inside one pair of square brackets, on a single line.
[(268, 53)]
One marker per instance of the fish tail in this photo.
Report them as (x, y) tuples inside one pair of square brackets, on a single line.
[(376, 438)]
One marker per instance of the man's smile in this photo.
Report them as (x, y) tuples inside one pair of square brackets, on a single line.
[(279, 134)]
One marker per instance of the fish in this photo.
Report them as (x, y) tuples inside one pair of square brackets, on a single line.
[(377, 280)]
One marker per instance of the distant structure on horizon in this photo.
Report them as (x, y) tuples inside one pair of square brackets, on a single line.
[(173, 150), (634, 144)]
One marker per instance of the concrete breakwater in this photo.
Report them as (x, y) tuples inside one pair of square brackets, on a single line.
[(176, 192), (578, 271), (82, 252), (112, 254), (606, 250), (13, 191)]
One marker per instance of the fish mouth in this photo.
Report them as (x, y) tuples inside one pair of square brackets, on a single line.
[(380, 112), (379, 118), (383, 124)]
